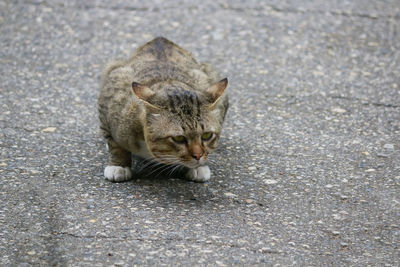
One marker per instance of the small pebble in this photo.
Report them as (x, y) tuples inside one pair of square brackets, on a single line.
[(228, 194), (270, 181), (49, 130), (338, 110), (335, 232), (382, 155), (389, 147), (248, 201)]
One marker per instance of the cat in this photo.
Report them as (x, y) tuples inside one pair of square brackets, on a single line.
[(164, 106)]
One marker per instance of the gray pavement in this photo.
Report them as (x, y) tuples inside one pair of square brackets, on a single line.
[(308, 169)]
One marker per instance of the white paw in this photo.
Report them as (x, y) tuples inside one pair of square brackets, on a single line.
[(117, 173), (200, 174)]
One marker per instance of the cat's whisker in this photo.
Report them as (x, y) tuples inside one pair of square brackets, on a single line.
[(160, 166), (157, 166), (177, 167), (148, 163), (169, 169), (159, 169), (173, 164), (164, 169)]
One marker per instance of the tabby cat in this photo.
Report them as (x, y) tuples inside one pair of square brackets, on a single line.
[(161, 105)]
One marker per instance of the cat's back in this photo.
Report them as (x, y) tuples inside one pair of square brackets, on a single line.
[(162, 60), (163, 50)]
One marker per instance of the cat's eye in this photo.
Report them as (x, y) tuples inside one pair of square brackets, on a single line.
[(179, 139), (206, 136)]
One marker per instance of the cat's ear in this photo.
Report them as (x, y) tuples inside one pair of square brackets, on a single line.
[(215, 91), (144, 93)]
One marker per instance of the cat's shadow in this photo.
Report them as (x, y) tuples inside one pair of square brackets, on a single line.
[(169, 183), (152, 171)]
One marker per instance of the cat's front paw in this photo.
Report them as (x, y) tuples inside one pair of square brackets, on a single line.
[(117, 173), (201, 174)]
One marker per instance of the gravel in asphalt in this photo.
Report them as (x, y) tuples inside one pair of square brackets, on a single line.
[(307, 171)]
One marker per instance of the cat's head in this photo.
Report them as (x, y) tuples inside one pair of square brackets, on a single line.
[(182, 126)]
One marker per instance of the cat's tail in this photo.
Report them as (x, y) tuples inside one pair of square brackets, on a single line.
[(109, 68)]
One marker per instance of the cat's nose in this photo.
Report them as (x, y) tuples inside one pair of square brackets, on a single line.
[(197, 155), (196, 151)]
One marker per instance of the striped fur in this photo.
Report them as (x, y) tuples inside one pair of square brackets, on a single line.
[(159, 93)]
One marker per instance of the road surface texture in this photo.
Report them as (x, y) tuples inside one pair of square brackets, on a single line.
[(308, 169)]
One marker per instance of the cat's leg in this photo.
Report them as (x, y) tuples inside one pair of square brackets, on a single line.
[(200, 174), (119, 168)]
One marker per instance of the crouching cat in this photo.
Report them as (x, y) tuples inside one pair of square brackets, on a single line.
[(161, 105)]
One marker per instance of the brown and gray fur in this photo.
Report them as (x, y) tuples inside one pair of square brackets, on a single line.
[(157, 96)]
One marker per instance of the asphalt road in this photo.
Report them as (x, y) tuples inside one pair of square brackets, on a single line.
[(308, 169)]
